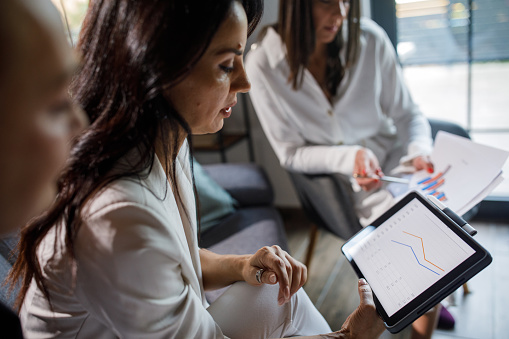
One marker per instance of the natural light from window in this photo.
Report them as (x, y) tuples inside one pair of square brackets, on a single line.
[(433, 46)]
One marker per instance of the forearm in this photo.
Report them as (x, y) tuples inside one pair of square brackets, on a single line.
[(339, 334), (221, 270)]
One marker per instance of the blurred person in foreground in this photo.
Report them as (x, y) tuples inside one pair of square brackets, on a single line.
[(37, 118)]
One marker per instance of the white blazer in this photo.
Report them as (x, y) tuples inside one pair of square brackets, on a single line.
[(138, 272)]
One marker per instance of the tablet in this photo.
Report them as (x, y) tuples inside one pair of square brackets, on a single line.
[(413, 256)]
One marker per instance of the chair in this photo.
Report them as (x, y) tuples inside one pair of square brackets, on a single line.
[(328, 204), (327, 198)]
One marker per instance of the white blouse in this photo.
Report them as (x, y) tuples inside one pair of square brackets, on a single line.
[(372, 108), (138, 272)]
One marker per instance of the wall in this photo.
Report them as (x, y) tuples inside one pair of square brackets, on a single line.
[(285, 195)]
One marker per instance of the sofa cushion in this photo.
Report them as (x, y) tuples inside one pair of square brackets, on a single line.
[(7, 259), (214, 202), (6, 297), (245, 218), (247, 183), (256, 227)]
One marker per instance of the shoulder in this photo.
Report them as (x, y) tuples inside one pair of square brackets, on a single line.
[(127, 215), (127, 191), (371, 31), (267, 53), (147, 192)]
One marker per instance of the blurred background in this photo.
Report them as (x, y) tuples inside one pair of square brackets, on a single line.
[(455, 58)]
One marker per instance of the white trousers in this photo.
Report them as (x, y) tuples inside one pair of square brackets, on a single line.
[(370, 205), (246, 311)]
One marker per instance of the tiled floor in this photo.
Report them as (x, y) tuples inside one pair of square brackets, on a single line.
[(482, 314)]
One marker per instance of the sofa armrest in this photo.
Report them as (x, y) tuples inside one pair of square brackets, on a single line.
[(247, 183)]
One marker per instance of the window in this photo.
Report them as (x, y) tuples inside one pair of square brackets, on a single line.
[(455, 59), (73, 13)]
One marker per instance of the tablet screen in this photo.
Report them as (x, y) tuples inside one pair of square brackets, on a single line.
[(407, 253)]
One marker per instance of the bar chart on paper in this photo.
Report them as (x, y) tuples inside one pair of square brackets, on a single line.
[(408, 253), (431, 185)]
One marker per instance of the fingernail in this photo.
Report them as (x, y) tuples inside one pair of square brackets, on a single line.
[(281, 301), (364, 173), (272, 278), (287, 293), (363, 281), (430, 170)]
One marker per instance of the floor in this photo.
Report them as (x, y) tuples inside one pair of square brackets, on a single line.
[(482, 314)]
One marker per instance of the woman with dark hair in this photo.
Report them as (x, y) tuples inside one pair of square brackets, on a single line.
[(117, 254), (331, 98)]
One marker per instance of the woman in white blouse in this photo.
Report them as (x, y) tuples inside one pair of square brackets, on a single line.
[(117, 254), (331, 99)]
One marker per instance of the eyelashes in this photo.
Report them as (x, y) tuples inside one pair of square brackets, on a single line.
[(226, 69)]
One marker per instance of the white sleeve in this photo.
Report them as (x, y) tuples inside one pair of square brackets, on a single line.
[(412, 126), (130, 276), (293, 151)]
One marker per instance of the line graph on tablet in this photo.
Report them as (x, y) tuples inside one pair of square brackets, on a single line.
[(408, 253), (412, 249)]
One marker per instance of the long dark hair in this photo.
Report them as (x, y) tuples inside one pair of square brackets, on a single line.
[(296, 28), (133, 51)]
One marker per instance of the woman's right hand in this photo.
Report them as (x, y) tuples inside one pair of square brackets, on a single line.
[(367, 170), (364, 322)]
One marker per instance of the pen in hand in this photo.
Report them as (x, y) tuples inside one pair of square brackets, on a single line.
[(385, 178)]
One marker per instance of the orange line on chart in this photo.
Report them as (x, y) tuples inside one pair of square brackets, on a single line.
[(422, 242)]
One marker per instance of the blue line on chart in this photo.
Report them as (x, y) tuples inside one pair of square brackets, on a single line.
[(415, 256)]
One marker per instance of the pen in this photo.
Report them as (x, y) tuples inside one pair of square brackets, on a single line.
[(456, 218), (386, 178)]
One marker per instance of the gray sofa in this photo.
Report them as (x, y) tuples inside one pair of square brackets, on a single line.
[(254, 224)]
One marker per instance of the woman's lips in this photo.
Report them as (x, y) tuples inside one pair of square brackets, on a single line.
[(227, 111), (332, 29)]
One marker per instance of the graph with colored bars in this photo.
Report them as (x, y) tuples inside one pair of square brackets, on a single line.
[(408, 253), (431, 185)]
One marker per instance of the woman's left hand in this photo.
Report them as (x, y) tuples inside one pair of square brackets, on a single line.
[(278, 267)]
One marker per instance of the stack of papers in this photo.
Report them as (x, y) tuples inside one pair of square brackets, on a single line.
[(465, 173)]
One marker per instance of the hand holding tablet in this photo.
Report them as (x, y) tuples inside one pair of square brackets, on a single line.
[(413, 256)]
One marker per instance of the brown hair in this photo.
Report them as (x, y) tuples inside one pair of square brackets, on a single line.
[(296, 28), (133, 51)]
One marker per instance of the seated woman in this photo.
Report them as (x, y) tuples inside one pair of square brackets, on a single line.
[(330, 96), (117, 254)]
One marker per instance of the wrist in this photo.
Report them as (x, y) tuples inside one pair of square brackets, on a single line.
[(342, 334), (242, 267)]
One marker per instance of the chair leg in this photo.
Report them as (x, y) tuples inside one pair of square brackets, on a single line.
[(313, 236), (466, 290)]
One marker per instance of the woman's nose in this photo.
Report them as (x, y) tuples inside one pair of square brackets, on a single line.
[(241, 82)]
